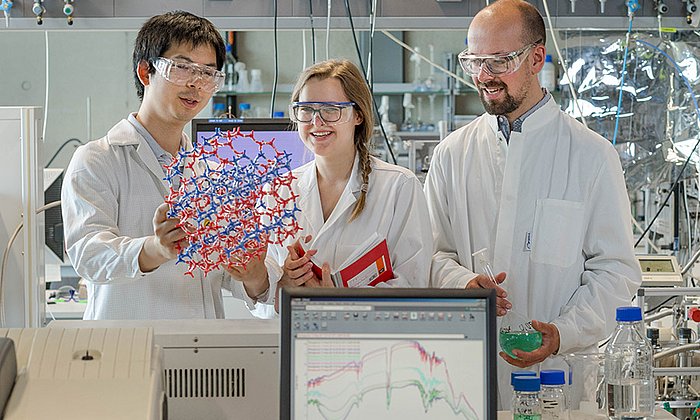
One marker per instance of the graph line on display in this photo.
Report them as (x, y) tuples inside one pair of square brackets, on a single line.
[(342, 375)]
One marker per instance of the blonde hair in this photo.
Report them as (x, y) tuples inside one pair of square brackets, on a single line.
[(357, 91)]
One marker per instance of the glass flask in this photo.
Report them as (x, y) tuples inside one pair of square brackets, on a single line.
[(516, 330)]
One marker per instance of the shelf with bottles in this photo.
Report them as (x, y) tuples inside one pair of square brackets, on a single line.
[(378, 89)]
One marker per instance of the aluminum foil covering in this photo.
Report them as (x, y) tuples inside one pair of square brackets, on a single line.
[(658, 125)]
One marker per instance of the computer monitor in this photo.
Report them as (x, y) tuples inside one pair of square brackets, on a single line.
[(385, 353), (281, 129), (53, 221)]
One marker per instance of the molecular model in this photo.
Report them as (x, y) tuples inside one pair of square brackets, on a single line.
[(230, 204)]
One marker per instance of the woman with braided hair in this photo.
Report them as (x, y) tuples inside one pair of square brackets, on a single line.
[(346, 195)]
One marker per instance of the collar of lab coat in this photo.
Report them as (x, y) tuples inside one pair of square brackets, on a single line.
[(125, 134), (543, 116), (310, 199)]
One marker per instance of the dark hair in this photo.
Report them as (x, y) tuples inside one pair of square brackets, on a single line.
[(357, 91), (161, 32)]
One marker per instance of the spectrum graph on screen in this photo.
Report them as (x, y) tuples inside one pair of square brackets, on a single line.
[(389, 379)]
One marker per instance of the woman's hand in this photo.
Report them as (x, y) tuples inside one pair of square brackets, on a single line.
[(296, 270)]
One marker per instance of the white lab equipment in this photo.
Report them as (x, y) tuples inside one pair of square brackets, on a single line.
[(660, 270), (242, 84), (116, 373), (415, 59), (23, 279), (255, 80), (214, 369), (389, 126), (408, 124)]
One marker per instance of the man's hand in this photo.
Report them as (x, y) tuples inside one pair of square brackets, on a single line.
[(482, 281), (165, 244), (253, 275), (550, 345)]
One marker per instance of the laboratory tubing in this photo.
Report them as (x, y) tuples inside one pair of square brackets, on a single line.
[(628, 371), (526, 398), (552, 396)]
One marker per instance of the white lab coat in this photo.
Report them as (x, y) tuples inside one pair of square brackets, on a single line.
[(552, 209), (395, 209), (111, 190)]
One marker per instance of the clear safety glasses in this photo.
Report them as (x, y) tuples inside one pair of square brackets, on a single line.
[(331, 113), (494, 64), (183, 73)]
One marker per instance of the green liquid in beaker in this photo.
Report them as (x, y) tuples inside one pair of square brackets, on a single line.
[(527, 416), (525, 341)]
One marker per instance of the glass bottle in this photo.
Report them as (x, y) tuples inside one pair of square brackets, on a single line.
[(246, 112), (628, 373), (552, 396), (526, 398)]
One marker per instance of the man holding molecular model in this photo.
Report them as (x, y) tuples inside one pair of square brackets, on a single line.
[(118, 235)]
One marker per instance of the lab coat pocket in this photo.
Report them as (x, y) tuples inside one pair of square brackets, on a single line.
[(557, 232)]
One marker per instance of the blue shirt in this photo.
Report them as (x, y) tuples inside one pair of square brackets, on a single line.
[(506, 128)]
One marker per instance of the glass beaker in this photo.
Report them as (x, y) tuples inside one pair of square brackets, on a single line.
[(586, 381)]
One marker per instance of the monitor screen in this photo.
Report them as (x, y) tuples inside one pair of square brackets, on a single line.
[(53, 220), (656, 265), (286, 138), (388, 354)]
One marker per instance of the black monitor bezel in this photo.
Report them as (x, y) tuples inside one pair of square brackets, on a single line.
[(247, 124), (287, 294)]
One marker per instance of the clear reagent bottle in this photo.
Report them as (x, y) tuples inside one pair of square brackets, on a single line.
[(526, 398), (628, 372), (552, 396)]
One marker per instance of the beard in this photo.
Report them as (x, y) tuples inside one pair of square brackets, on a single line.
[(501, 107)]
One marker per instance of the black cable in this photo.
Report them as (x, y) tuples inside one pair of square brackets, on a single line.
[(274, 80), (364, 73), (313, 33), (61, 148), (659, 305), (668, 196)]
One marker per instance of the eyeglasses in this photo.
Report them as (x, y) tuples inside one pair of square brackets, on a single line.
[(493, 64), (331, 113), (183, 73)]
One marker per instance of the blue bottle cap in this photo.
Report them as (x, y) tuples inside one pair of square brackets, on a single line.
[(278, 114), (526, 383), (548, 59), (628, 314), (517, 373), (244, 106), (219, 106), (552, 377)]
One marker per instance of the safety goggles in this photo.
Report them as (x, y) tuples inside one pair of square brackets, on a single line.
[(494, 64), (183, 73), (331, 113)]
